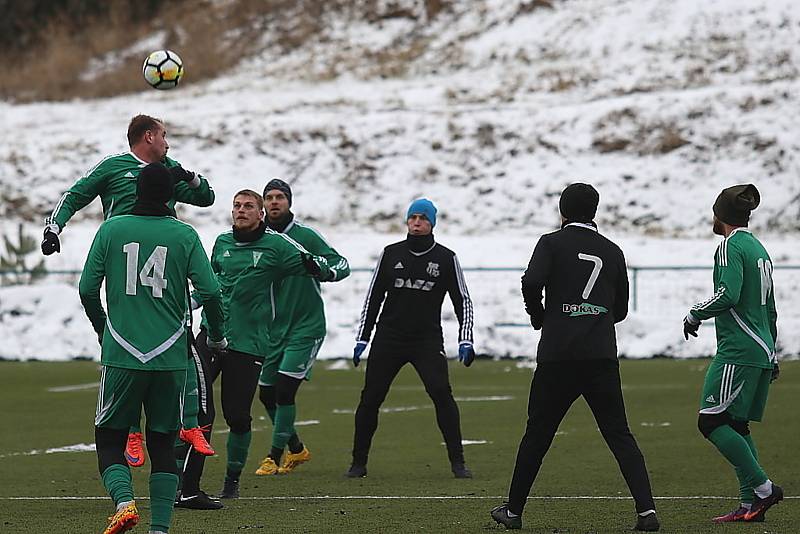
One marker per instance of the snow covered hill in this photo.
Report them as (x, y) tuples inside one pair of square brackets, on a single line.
[(490, 108)]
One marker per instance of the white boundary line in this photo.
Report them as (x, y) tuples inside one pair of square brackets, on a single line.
[(406, 497)]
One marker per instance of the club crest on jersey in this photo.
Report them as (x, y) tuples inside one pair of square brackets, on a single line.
[(399, 265), (433, 269), (256, 257), (424, 285)]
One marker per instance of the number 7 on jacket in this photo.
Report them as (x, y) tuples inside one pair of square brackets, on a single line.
[(598, 264)]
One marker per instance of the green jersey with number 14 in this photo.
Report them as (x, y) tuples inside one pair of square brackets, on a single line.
[(743, 303), (146, 261)]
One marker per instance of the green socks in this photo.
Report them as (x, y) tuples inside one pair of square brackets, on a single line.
[(117, 481), (271, 414), (746, 493), (284, 425), (238, 445), (118, 484), (295, 445), (736, 449), (162, 498)]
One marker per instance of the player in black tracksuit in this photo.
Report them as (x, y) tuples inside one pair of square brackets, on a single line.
[(413, 277), (586, 283), (190, 462)]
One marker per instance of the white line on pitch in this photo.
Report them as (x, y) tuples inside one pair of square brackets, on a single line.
[(407, 497), (76, 387)]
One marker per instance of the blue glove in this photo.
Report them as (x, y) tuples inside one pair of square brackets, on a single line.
[(466, 354), (358, 351)]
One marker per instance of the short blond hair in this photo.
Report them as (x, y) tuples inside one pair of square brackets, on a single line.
[(250, 193)]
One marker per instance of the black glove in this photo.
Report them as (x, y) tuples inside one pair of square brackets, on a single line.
[(776, 372), (218, 348), (50, 243), (179, 174), (100, 337), (689, 329), (536, 322), (310, 265)]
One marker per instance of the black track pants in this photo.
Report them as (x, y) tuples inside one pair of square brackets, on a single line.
[(555, 387), (382, 367), (194, 462)]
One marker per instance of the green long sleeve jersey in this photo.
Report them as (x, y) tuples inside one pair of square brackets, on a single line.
[(146, 261), (246, 273), (114, 181), (743, 303), (298, 309)]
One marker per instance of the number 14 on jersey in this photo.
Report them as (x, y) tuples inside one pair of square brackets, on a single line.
[(152, 272)]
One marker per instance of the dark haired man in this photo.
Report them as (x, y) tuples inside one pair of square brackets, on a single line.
[(737, 381), (585, 281), (114, 181), (408, 287), (296, 332)]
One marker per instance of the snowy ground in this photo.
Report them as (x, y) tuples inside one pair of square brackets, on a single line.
[(46, 321), (659, 107)]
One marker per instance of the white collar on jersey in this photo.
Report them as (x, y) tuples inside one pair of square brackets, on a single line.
[(137, 158), (739, 229), (582, 225)]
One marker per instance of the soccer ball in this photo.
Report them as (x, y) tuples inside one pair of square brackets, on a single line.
[(163, 69)]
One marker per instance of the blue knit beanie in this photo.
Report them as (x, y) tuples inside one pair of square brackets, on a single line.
[(423, 206)]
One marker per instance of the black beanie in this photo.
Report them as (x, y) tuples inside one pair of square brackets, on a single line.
[(280, 185), (734, 204), (154, 185), (579, 203)]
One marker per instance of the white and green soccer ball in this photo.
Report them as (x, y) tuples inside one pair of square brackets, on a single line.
[(163, 69)]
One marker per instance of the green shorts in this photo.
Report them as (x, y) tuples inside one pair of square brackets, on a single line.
[(740, 390), (123, 392), (295, 360)]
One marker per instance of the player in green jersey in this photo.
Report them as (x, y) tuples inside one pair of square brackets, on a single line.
[(114, 181), (737, 381), (249, 261), (145, 259), (295, 334)]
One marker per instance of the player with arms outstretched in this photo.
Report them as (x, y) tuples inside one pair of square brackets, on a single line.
[(114, 180)]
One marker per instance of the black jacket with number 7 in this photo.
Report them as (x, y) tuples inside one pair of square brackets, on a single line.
[(585, 282)]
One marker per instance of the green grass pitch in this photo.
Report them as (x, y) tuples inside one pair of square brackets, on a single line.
[(408, 465)]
